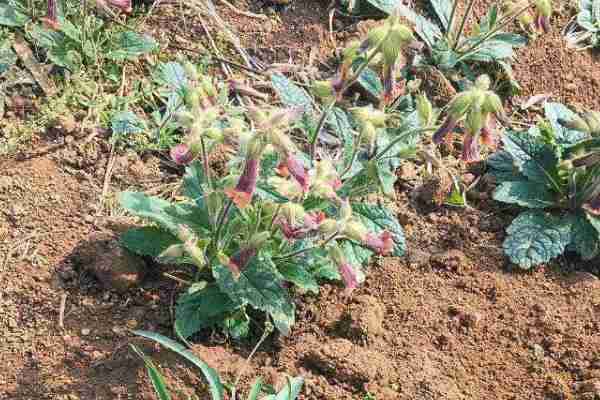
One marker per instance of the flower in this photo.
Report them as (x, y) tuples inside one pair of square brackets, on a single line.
[(182, 154), (242, 194), (296, 168), (296, 223), (447, 127), (543, 10), (382, 243), (123, 5), (470, 152), (51, 18), (349, 273)]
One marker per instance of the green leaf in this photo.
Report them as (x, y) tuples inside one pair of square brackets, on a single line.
[(193, 182), (595, 221), (8, 58), (126, 123), (290, 94), (298, 274), (427, 30), (236, 325), (171, 74), (256, 389), (291, 390), (158, 381), (387, 6), (524, 194), (585, 238), (167, 215), (261, 286), (320, 265), (371, 82), (502, 167), (536, 237), (443, 9), (130, 45), (148, 241), (10, 16), (379, 218), (200, 308), (214, 382), (564, 136), (533, 157)]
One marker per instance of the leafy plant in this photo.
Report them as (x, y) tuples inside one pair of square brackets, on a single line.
[(584, 33), (286, 215), (217, 388), (554, 172)]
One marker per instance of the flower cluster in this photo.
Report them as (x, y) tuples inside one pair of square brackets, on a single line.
[(479, 107)]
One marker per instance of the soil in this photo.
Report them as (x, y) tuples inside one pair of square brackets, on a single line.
[(450, 320)]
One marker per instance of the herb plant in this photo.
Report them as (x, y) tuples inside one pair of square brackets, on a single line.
[(584, 33), (292, 209), (217, 388), (554, 171)]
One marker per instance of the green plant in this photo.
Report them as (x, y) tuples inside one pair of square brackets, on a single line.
[(449, 48), (288, 213), (217, 388), (584, 33), (554, 171)]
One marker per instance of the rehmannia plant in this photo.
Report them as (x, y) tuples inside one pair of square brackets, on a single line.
[(553, 171), (291, 210)]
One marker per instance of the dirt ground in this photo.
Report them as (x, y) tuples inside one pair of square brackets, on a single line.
[(451, 320)]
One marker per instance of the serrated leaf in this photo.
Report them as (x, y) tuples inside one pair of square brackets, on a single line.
[(524, 194), (585, 238), (533, 157), (564, 136), (167, 215), (290, 94), (236, 325), (193, 182), (298, 274), (214, 382), (126, 123), (130, 45), (379, 218), (536, 237), (261, 286), (201, 308), (10, 16), (171, 74)]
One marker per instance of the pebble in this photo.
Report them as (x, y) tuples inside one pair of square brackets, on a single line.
[(85, 331)]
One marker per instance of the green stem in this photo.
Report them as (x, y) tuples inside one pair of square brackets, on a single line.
[(347, 84), (354, 153), (463, 23), (205, 162), (501, 25), (306, 249), (400, 138)]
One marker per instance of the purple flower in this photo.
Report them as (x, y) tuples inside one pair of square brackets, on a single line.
[(446, 128), (542, 23), (242, 194), (240, 260), (389, 83), (182, 154), (382, 244), (297, 170), (123, 5), (488, 134), (349, 276), (51, 18), (470, 152)]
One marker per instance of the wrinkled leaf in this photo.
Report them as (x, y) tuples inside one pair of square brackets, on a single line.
[(130, 45), (10, 16), (261, 286), (585, 237), (536, 237), (127, 123), (564, 136), (290, 94), (524, 194), (379, 218), (148, 241)]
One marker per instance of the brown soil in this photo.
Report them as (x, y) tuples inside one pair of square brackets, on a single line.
[(451, 320)]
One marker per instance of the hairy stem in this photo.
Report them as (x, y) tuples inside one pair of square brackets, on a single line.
[(306, 249), (401, 138)]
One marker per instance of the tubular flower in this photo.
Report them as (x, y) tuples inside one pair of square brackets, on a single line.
[(456, 111), (182, 154), (296, 168), (348, 272), (296, 223), (470, 153), (240, 260), (382, 243), (543, 9), (242, 194), (488, 135), (51, 19), (123, 5)]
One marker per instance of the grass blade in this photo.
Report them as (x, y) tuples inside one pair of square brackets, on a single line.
[(158, 381)]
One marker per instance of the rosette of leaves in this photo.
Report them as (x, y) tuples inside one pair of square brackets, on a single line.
[(217, 389), (269, 228), (552, 171), (584, 32)]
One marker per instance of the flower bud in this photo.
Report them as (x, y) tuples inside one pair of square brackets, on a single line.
[(492, 103), (51, 18), (182, 154), (192, 99), (398, 38), (322, 89), (475, 121), (293, 212), (471, 152), (259, 239), (369, 115), (483, 82), (424, 110), (460, 105), (328, 226), (345, 210)]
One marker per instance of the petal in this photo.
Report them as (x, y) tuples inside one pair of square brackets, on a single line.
[(488, 134), (297, 170), (470, 152), (349, 276), (382, 244)]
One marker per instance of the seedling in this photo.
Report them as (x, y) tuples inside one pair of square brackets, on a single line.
[(554, 171)]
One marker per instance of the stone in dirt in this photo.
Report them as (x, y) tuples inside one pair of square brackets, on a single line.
[(452, 260), (113, 266), (366, 316)]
